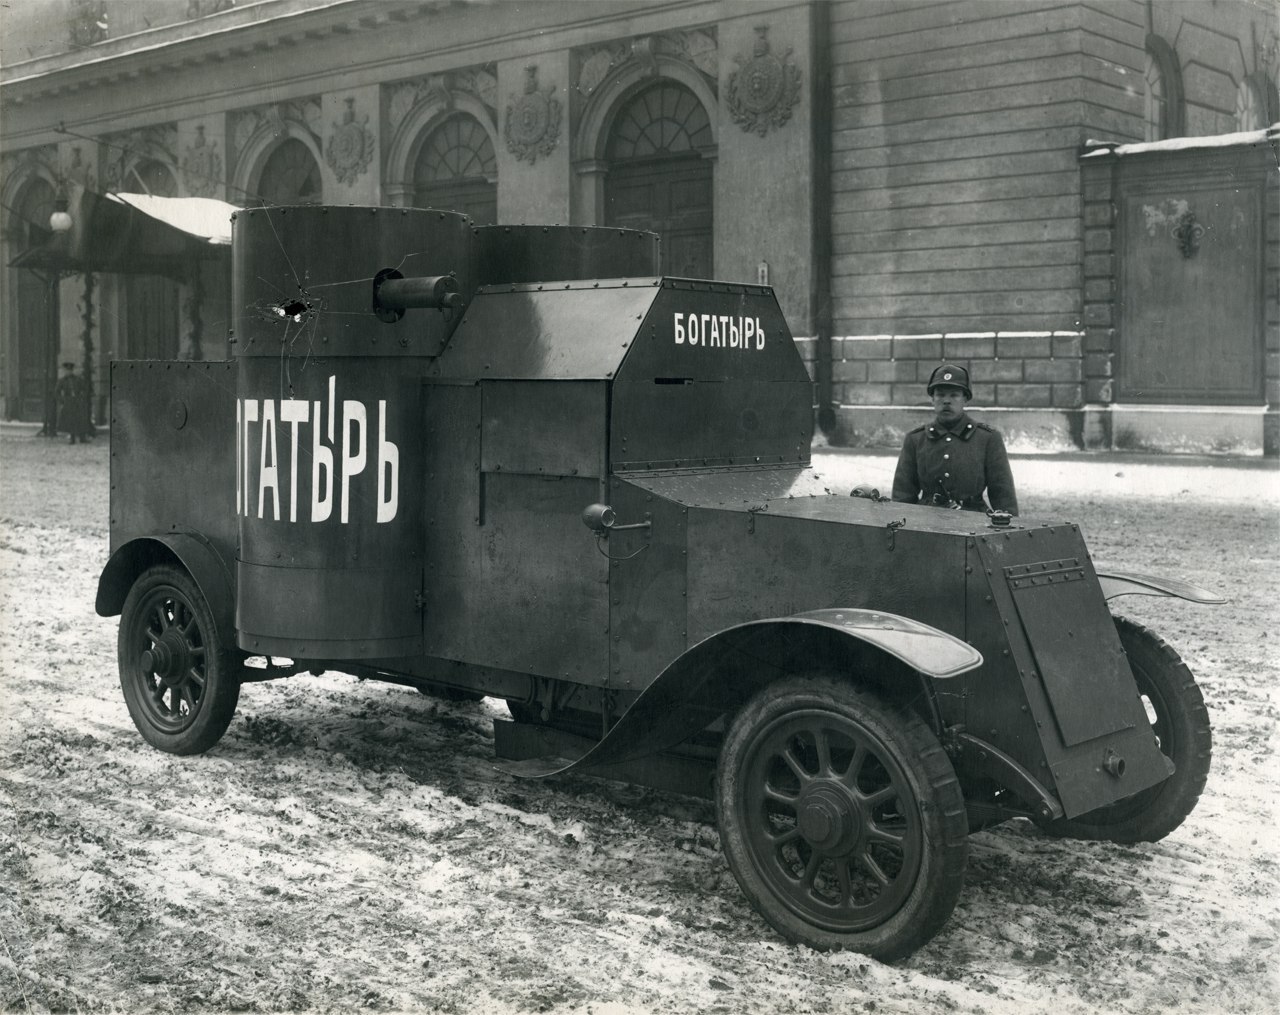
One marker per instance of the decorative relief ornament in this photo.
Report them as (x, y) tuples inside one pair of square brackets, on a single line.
[(596, 67), (350, 148), (87, 22), (764, 89), (444, 90), (533, 120), (203, 8), (125, 150), (695, 47), (202, 167)]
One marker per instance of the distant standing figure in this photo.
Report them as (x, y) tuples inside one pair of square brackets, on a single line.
[(953, 460), (72, 399)]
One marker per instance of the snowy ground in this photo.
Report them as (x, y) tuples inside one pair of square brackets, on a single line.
[(349, 845)]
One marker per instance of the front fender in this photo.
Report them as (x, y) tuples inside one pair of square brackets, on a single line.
[(188, 550), (719, 674), (1121, 583)]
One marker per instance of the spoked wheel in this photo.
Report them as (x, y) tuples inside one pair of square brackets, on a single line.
[(181, 686), (1180, 724), (841, 818)]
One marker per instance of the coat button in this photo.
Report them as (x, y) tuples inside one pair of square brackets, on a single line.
[(946, 456), (948, 440)]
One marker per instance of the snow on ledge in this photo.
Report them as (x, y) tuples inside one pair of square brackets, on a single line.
[(1177, 144), (204, 217)]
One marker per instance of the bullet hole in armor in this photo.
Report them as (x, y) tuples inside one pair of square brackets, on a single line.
[(292, 309)]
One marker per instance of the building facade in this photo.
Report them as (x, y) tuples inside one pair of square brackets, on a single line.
[(917, 180)]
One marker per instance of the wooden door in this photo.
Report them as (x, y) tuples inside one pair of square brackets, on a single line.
[(673, 198), (1190, 291)]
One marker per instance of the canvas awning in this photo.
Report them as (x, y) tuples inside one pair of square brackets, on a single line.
[(134, 234)]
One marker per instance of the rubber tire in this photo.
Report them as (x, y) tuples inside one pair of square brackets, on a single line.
[(912, 746), (1150, 815), (216, 704)]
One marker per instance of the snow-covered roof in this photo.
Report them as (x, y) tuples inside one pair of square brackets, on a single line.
[(1177, 144), (204, 217)]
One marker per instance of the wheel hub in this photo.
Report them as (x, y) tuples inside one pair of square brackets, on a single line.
[(829, 818), (166, 659)]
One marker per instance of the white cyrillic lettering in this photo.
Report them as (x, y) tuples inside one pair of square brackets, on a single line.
[(293, 411), (724, 331), (679, 324), (748, 329), (321, 460), (250, 416), (237, 458), (705, 328), (759, 335), (268, 475), (693, 329), (354, 455), (388, 470), (333, 405), (735, 332), (715, 331)]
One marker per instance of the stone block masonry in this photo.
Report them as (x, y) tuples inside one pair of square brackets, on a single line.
[(1008, 369)]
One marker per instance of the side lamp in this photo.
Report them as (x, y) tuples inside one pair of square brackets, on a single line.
[(60, 220)]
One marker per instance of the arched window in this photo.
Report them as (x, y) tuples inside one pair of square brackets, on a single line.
[(663, 120), (1256, 103), (150, 176), (456, 169), (1163, 92), (657, 178), (35, 205), (290, 175)]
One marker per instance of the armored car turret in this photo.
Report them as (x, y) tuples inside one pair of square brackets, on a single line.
[(519, 462)]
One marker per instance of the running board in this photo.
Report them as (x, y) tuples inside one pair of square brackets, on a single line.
[(534, 752)]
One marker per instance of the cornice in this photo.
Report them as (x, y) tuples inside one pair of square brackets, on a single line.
[(241, 31)]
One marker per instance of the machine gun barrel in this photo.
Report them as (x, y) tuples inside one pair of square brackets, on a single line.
[(393, 294)]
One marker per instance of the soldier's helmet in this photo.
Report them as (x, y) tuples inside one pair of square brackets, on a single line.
[(949, 373)]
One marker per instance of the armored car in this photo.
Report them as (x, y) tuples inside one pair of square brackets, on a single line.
[(519, 462)]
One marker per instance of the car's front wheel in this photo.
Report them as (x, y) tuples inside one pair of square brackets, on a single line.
[(841, 817), (180, 684)]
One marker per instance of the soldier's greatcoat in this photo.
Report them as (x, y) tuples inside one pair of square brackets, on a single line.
[(953, 465)]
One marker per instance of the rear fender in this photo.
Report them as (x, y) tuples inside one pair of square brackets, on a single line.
[(1121, 583), (188, 550), (721, 673)]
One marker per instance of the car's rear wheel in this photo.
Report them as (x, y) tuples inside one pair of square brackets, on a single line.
[(1180, 724), (180, 684), (841, 817)]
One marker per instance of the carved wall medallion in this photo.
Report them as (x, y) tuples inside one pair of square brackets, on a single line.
[(1187, 232), (202, 167), (350, 148), (764, 89), (533, 120)]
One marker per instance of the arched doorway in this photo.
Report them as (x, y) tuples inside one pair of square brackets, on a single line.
[(456, 169), (658, 178), (36, 341), (290, 175), (152, 303)]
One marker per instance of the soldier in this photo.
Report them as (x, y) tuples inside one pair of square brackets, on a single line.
[(951, 461), (71, 398)]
